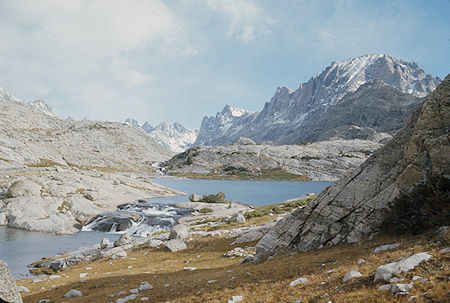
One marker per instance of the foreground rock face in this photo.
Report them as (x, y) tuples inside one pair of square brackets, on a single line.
[(8, 288), (353, 208)]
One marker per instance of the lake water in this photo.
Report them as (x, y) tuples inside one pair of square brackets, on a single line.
[(20, 248)]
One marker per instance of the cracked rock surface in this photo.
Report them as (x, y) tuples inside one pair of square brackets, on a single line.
[(353, 208)]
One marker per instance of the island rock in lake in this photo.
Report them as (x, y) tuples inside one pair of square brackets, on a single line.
[(354, 207)]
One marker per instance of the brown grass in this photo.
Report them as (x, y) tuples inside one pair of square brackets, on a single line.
[(267, 282)]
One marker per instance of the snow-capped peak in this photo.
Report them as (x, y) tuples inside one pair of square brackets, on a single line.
[(234, 111), (132, 122)]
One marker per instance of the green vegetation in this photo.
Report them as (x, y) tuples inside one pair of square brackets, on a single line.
[(65, 206), (425, 207), (206, 210), (161, 232), (280, 208)]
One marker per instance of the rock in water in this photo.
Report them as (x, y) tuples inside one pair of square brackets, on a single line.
[(354, 207), (8, 288), (195, 198)]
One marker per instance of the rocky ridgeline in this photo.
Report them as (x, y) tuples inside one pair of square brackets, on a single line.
[(354, 208), (375, 93), (319, 161), (57, 174)]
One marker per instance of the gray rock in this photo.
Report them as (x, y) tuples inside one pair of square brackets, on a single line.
[(397, 288), (175, 245), (385, 247), (351, 275), (22, 289), (123, 240), (195, 198), (127, 298), (238, 218), (179, 231), (235, 299), (299, 281), (386, 272), (23, 187), (119, 255), (445, 250), (134, 291), (73, 293), (8, 289), (104, 243), (385, 287), (145, 286), (354, 208), (155, 243)]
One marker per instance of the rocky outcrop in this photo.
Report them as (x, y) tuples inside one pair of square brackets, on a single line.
[(319, 161), (354, 207), (8, 288), (346, 92)]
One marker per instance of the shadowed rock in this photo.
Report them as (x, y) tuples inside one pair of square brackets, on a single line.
[(354, 207)]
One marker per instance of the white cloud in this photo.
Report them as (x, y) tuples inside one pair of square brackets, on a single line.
[(244, 17), (190, 51)]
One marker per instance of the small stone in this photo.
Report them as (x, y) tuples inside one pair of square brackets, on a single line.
[(134, 291), (44, 301), (386, 247), (36, 281), (235, 299), (127, 298), (412, 299), (351, 275), (145, 298), (120, 254), (385, 287), (398, 288), (88, 268), (122, 292), (322, 283), (83, 275), (212, 281), (51, 277), (190, 268), (145, 286), (415, 278), (445, 250), (73, 293), (361, 261), (22, 289), (130, 267), (299, 281)]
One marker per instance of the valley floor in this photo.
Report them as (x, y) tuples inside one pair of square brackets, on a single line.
[(218, 278)]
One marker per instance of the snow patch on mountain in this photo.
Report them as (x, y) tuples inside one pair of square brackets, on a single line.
[(175, 137)]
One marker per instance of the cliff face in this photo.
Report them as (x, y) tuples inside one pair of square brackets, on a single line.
[(353, 208)]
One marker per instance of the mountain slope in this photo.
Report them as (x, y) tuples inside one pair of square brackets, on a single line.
[(38, 105), (288, 113), (355, 207)]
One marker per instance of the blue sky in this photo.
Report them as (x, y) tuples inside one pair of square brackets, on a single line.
[(180, 60)]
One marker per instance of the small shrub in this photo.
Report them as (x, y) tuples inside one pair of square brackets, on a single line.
[(211, 198), (307, 158), (206, 210), (425, 207)]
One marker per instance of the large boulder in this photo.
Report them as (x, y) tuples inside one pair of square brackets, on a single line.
[(354, 207), (23, 188), (8, 288), (179, 231)]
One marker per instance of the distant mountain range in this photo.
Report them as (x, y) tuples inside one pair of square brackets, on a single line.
[(175, 137), (37, 105), (354, 98)]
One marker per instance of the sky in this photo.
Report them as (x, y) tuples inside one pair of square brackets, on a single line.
[(180, 60)]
